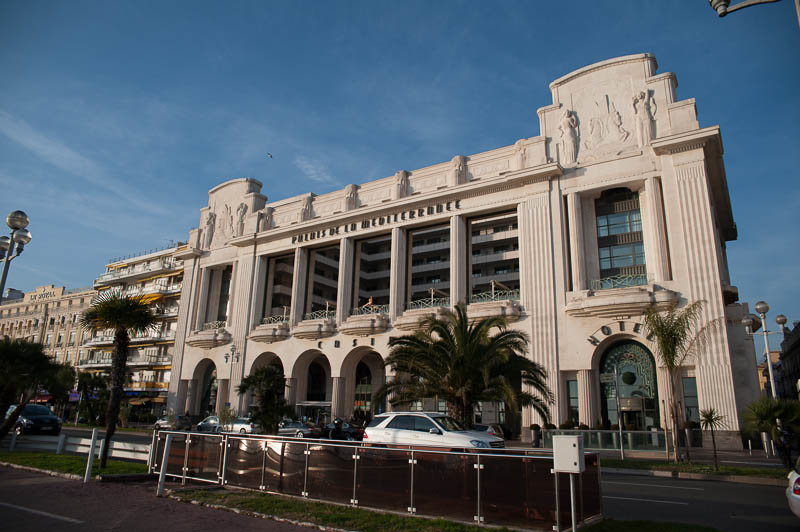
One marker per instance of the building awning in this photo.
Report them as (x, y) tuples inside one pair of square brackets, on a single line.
[(149, 298), (159, 399), (138, 401), (116, 266)]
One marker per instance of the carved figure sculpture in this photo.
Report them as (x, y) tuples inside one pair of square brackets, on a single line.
[(208, 229), (520, 154), (267, 219), (241, 211), (458, 173), (615, 125), (350, 197), (644, 107), (569, 136), (305, 210), (400, 184)]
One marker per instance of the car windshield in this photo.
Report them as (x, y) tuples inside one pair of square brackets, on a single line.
[(449, 424), (37, 410)]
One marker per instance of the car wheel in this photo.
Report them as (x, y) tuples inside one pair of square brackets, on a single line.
[(242, 431), (18, 430), (298, 434)]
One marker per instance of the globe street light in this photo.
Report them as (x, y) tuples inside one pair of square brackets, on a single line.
[(234, 357), (17, 221), (723, 7), (762, 308)]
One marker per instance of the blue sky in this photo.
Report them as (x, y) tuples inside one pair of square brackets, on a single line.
[(117, 117)]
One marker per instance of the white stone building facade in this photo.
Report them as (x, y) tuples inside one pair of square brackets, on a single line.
[(620, 203)]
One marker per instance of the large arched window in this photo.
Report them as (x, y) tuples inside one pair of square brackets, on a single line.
[(638, 390)]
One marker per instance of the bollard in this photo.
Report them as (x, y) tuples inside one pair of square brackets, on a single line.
[(60, 445), (13, 441), (750, 446), (89, 460), (772, 445), (102, 446), (162, 476)]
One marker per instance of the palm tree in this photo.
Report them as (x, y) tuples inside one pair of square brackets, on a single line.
[(25, 369), (779, 418), (462, 363), (124, 314), (710, 419), (677, 338), (268, 385)]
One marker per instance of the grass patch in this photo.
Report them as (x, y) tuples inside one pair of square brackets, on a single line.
[(686, 467), (371, 521), (64, 463), (611, 525), (102, 429)]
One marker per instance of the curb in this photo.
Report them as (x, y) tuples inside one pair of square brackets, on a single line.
[(739, 479), (126, 477), (69, 476)]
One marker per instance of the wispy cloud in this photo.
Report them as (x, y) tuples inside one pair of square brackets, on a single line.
[(65, 158), (315, 170)]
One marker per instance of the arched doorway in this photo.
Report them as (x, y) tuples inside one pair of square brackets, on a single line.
[(638, 389), (267, 358), (312, 375), (208, 390)]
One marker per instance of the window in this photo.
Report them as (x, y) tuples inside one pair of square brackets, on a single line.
[(429, 257), (323, 285), (690, 401), (371, 273), (620, 247), (572, 390), (401, 423), (494, 258), (278, 286), (423, 424)]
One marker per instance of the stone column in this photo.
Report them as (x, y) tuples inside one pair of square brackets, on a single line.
[(178, 406), (186, 308), (655, 236), (458, 260), (538, 294), (337, 397), (298, 286), (397, 278), (222, 393), (202, 298), (576, 242), (291, 391), (344, 297), (587, 406), (190, 400)]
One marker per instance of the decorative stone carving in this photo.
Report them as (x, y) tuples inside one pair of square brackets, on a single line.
[(508, 309), (314, 329), (350, 197), (306, 211), (267, 219), (208, 230), (644, 107), (400, 185), (458, 171), (241, 211), (225, 227), (209, 339), (606, 134), (270, 332), (411, 320), (569, 137), (520, 155)]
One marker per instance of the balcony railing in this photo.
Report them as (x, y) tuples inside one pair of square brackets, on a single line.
[(495, 295), (619, 281), (370, 309), (213, 325), (428, 302), (320, 315), (278, 318)]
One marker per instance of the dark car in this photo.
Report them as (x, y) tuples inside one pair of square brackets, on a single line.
[(298, 429), (181, 423), (346, 431), (36, 419)]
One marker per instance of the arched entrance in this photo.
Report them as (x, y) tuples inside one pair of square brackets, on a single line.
[(363, 373), (312, 376), (638, 389), (263, 360), (208, 390)]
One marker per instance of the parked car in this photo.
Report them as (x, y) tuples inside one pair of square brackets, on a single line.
[(793, 491), (492, 428), (35, 419), (243, 425), (181, 423), (346, 431), (298, 429), (209, 424), (426, 429)]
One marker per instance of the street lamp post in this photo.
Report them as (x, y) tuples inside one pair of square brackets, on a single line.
[(723, 7), (234, 358), (762, 308), (17, 221)]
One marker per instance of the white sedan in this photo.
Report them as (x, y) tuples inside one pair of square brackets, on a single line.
[(793, 490)]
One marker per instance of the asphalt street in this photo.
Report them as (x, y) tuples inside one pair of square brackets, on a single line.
[(727, 506)]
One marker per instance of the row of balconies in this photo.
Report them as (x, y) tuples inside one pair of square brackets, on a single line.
[(150, 336), (144, 268)]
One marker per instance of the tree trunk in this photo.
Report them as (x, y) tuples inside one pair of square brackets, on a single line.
[(118, 366), (714, 445)]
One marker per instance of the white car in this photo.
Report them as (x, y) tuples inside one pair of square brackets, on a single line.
[(426, 429), (793, 490)]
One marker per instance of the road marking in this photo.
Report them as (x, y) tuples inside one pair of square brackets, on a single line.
[(39, 512), (652, 485), (645, 500)]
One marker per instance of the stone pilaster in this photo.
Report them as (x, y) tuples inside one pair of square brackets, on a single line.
[(655, 236), (344, 296), (239, 321), (338, 397), (587, 405), (397, 279), (458, 260), (576, 241), (186, 308), (201, 297), (298, 285), (291, 391), (538, 292)]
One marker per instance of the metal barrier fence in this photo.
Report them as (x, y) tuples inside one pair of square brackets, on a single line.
[(609, 440), (74, 445), (511, 487)]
